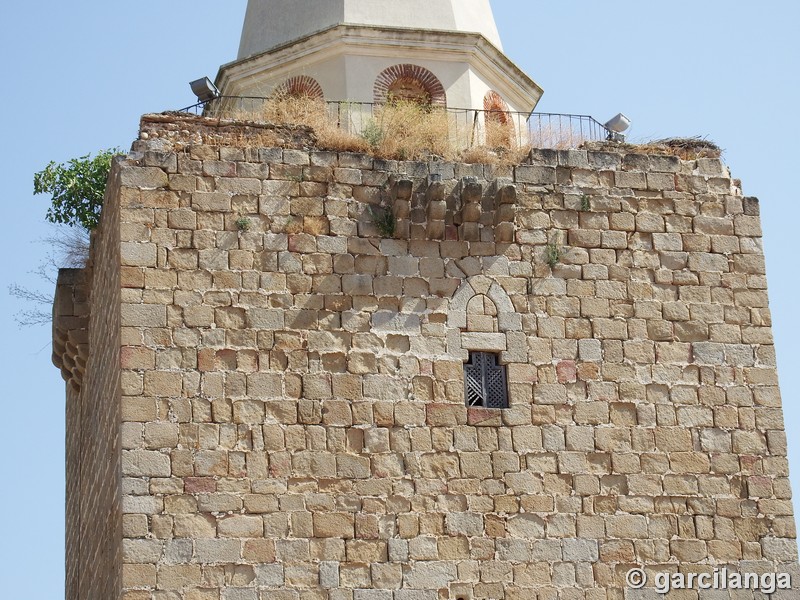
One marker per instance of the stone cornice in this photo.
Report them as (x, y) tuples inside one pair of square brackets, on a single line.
[(71, 325)]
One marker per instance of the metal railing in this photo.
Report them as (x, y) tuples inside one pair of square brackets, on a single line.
[(466, 127)]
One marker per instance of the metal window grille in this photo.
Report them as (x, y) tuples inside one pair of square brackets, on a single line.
[(485, 381)]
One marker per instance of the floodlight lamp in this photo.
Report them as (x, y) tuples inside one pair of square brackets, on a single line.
[(616, 126), (204, 89)]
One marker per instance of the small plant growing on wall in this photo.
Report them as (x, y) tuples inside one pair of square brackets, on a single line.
[(553, 251), (384, 220), (552, 255), (585, 203), (243, 223)]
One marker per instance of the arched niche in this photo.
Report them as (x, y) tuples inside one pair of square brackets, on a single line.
[(409, 83), (301, 86), (481, 317), (499, 126)]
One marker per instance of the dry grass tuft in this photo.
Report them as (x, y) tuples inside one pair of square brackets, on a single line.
[(685, 148), (502, 144), (499, 134), (479, 155), (403, 131), (553, 137), (291, 110), (690, 148), (410, 131)]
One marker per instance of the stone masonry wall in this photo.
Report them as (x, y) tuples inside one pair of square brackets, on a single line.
[(86, 347), (70, 350), (293, 420)]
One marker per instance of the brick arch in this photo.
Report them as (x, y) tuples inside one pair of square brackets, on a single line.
[(499, 126), (494, 104), (301, 86), (413, 75)]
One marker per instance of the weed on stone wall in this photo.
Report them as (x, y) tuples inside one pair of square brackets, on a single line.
[(243, 223), (553, 250), (384, 220)]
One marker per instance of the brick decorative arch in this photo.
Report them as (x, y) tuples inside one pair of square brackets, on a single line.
[(499, 126), (494, 103), (301, 86), (413, 74)]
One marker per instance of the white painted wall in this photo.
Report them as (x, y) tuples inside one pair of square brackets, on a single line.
[(477, 15), (270, 23), (450, 15), (352, 77)]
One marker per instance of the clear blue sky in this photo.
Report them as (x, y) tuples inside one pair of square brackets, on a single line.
[(79, 74)]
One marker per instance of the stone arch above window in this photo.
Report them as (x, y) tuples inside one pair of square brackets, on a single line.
[(409, 82), (301, 86), (481, 317), (482, 314)]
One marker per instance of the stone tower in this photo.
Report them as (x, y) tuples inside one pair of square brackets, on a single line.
[(289, 399), (448, 51)]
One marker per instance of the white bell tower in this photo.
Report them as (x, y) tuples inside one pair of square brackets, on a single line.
[(445, 51)]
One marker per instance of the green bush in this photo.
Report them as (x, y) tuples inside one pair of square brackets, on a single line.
[(77, 187)]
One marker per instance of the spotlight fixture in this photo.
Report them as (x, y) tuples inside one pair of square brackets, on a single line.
[(204, 89), (615, 126)]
